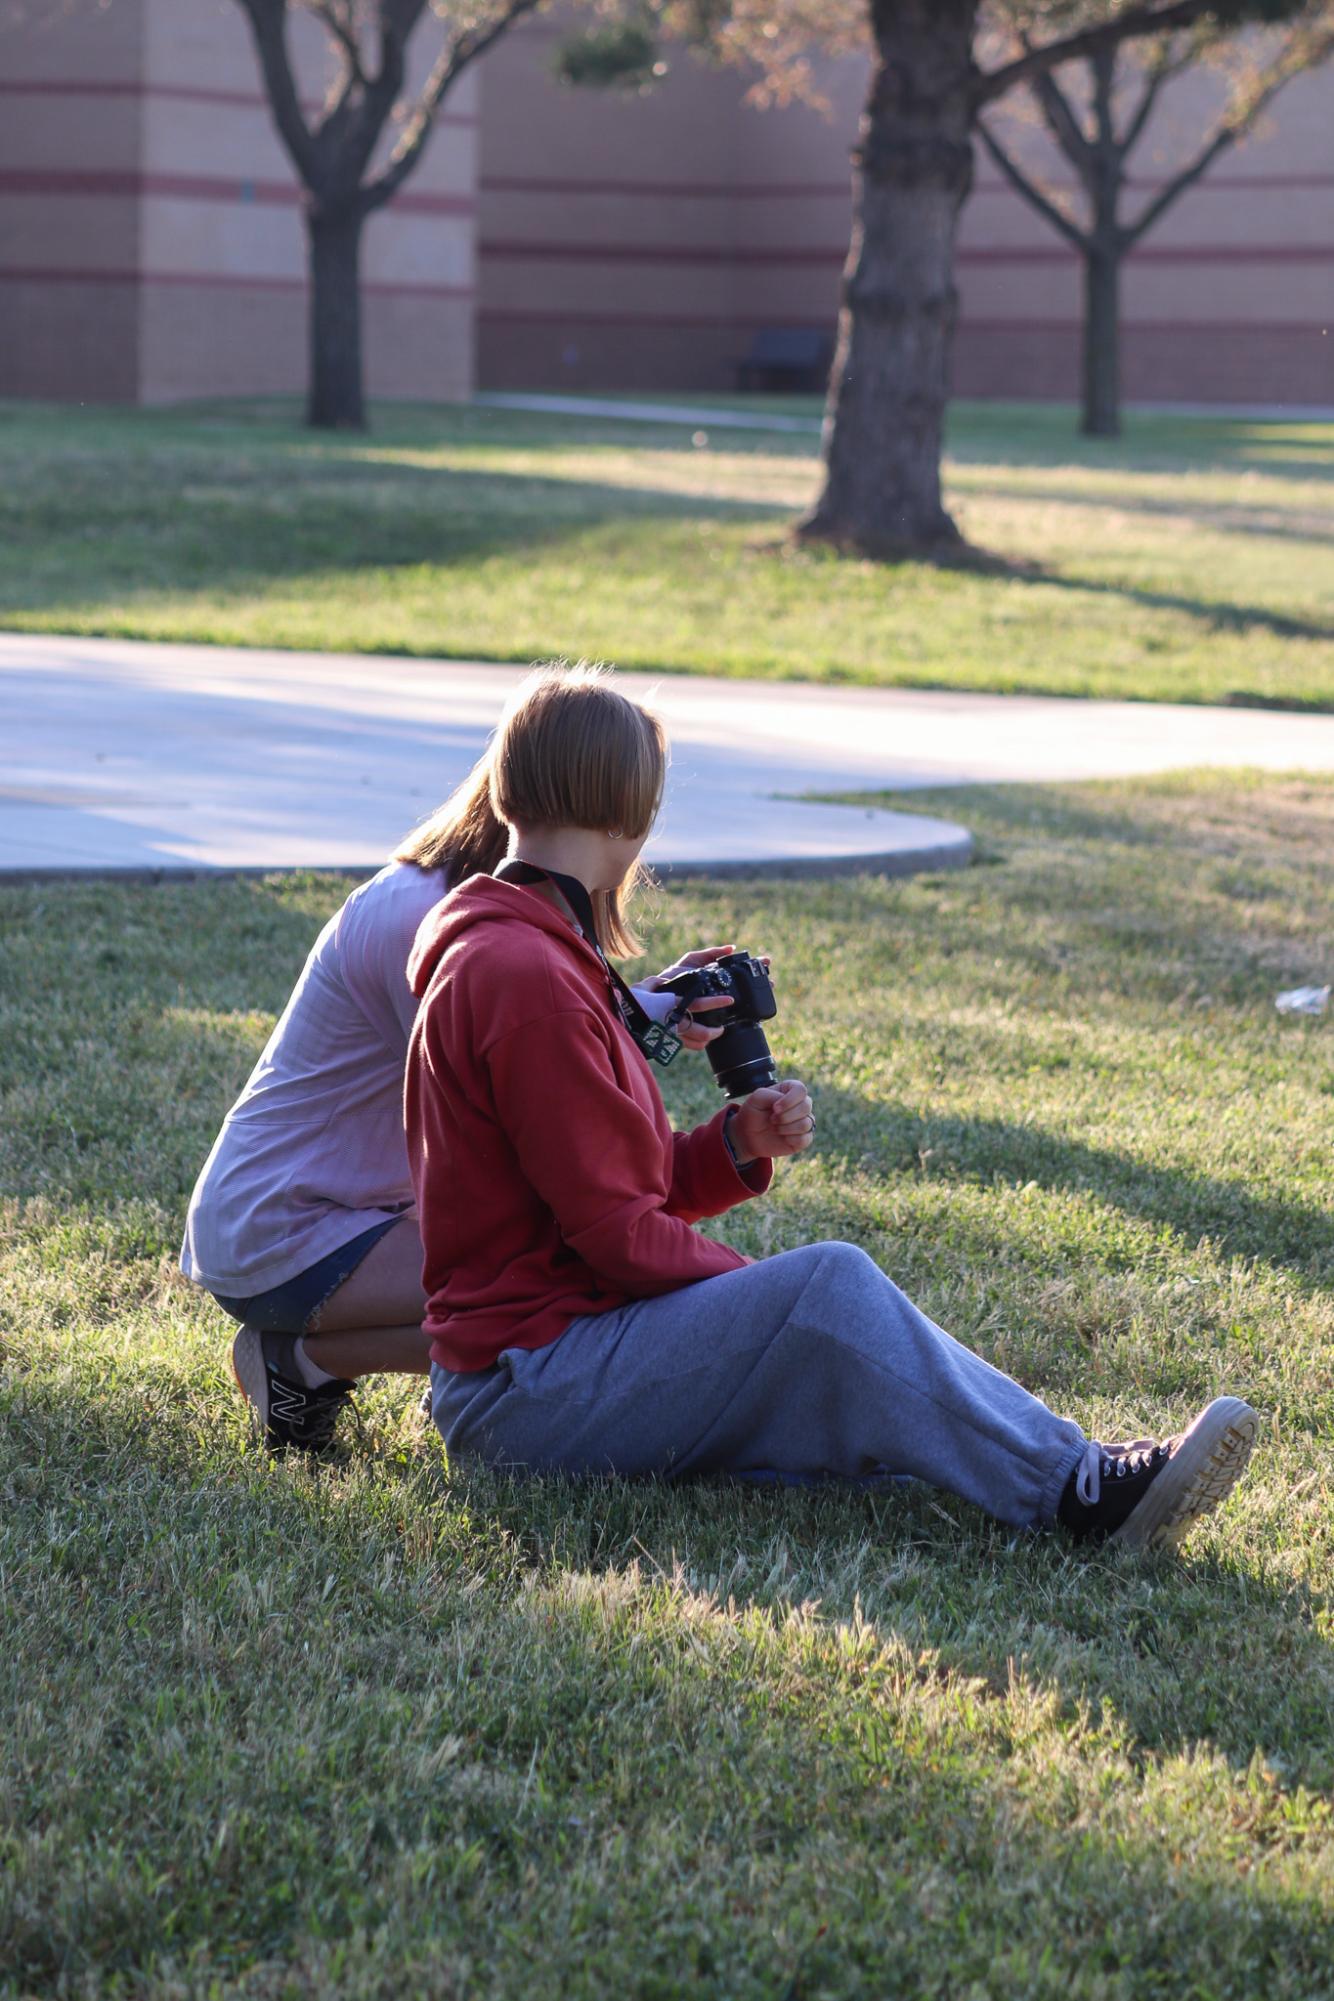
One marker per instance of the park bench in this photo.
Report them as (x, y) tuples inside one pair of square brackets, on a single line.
[(786, 358)]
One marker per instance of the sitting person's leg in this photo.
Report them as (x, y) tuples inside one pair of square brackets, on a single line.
[(812, 1362)]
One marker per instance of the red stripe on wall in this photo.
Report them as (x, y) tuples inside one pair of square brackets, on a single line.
[(515, 184), (1038, 253), (662, 253), (1200, 329), (547, 316), (186, 93), (19, 274), (199, 187), (1223, 183), (511, 184)]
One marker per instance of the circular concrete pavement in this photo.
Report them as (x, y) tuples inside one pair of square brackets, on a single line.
[(125, 756)]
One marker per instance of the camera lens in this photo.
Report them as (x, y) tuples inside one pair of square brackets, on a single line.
[(741, 1060)]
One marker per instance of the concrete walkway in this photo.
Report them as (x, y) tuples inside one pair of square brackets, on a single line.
[(120, 755), (729, 418)]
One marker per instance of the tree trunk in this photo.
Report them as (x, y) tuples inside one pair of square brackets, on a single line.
[(335, 401), (1102, 340), (912, 169)]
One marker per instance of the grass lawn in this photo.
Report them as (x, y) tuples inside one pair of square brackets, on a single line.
[(406, 1728), (1190, 562)]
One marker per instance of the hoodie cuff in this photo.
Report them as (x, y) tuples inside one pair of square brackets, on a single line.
[(756, 1175)]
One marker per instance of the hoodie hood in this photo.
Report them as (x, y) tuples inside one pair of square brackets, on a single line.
[(483, 900)]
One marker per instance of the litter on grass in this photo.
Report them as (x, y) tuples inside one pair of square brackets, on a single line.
[(1303, 1000)]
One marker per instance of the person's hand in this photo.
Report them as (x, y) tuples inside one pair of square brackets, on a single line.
[(695, 1034), (773, 1123)]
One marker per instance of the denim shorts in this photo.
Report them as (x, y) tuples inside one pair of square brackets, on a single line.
[(290, 1307)]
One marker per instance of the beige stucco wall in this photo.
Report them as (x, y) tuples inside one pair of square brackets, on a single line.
[(68, 260), (641, 242), (151, 242), (142, 187)]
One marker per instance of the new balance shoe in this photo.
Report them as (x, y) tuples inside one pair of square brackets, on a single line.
[(289, 1414), (1149, 1494)]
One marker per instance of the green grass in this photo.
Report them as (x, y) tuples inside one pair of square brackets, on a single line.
[(411, 1728), (1190, 562)]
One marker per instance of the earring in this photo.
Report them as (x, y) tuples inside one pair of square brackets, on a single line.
[(615, 833)]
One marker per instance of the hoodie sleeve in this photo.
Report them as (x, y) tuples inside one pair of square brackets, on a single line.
[(622, 1202)]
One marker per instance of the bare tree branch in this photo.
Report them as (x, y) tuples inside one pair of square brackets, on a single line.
[(1301, 53), (268, 25), (1158, 74), (1177, 186), (1134, 22), (1029, 189), (336, 19), (1062, 121), (454, 58)]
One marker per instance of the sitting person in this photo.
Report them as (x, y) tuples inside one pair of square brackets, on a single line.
[(578, 1320), (302, 1223)]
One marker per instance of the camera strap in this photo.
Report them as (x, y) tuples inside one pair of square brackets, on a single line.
[(654, 1037)]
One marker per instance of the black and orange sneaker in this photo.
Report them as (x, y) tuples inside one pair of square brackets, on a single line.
[(1149, 1494), (290, 1416)]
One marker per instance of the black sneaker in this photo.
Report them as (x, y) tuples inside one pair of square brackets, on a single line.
[(290, 1414), (1148, 1494)]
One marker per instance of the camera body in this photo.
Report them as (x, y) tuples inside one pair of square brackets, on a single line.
[(740, 1056)]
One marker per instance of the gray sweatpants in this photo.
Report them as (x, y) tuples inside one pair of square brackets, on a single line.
[(811, 1364)]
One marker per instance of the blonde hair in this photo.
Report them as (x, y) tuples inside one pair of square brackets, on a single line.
[(570, 751)]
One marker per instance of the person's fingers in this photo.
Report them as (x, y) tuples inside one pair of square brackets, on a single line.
[(713, 1001), (793, 1117), (764, 1098), (793, 1098), (789, 1110), (705, 956), (696, 1038), (799, 1121)]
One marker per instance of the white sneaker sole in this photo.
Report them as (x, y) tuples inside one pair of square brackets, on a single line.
[(252, 1378), (1200, 1475)]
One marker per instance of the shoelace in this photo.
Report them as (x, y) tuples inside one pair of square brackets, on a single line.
[(1112, 1462), (321, 1415)]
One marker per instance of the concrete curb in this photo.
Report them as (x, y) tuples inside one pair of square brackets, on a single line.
[(950, 854)]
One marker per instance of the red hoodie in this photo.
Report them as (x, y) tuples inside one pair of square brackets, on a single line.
[(548, 1180)]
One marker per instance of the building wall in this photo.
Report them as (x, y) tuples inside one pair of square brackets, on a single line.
[(151, 238), (151, 241), (69, 210), (641, 242)]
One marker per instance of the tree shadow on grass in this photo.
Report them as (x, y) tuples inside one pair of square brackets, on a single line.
[(968, 559), (152, 540), (538, 1692), (626, 1693), (1293, 1236), (134, 1021), (1239, 517), (1215, 614), (994, 435), (231, 525)]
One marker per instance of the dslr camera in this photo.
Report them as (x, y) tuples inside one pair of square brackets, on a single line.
[(740, 1056)]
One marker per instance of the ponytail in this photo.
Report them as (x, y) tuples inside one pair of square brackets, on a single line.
[(463, 837)]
